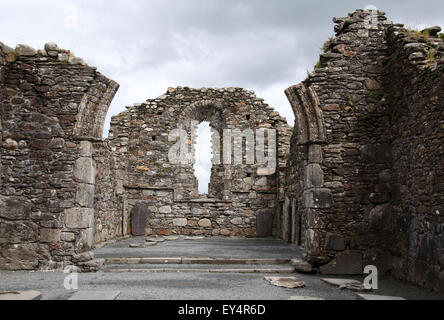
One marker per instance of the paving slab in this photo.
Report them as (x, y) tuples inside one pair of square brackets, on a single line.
[(349, 284), (340, 282), (285, 282), (361, 296), (20, 295), (95, 295)]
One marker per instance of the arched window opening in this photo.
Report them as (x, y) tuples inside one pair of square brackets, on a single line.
[(203, 154)]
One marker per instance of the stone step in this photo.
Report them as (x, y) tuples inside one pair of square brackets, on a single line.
[(223, 268), (301, 266), (196, 260)]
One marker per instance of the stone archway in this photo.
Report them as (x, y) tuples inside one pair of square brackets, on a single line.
[(205, 111), (310, 135)]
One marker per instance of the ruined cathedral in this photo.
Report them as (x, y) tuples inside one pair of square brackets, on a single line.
[(358, 180)]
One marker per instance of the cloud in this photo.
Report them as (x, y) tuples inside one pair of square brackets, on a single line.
[(147, 46)]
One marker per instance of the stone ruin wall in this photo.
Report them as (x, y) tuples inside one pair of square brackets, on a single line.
[(238, 195), (53, 108), (365, 170), (64, 188), (415, 89), (362, 183)]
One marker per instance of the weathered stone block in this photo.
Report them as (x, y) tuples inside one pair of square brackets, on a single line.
[(67, 236), (261, 182), (18, 231), (237, 220), (85, 240), (50, 235), (14, 208), (84, 170), (85, 149), (334, 242), (320, 198), (204, 223), (344, 263), (165, 209), (314, 177), (56, 143), (382, 259), (379, 218), (79, 218), (85, 195), (376, 153), (265, 171), (25, 50), (315, 153), (301, 266), (24, 256), (180, 222), (82, 257)]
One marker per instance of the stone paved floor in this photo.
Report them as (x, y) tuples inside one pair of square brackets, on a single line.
[(208, 247), (199, 285)]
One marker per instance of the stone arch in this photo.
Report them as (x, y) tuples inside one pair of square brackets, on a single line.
[(93, 108), (212, 112), (88, 129), (310, 133), (205, 110), (308, 114)]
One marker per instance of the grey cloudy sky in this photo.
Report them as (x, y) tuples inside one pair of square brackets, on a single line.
[(147, 46)]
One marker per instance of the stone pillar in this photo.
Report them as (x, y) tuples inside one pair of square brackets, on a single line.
[(80, 219)]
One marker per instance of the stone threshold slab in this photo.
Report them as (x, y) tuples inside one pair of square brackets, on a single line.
[(154, 270), (197, 260)]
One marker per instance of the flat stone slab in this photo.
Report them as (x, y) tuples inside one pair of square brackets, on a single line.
[(172, 238), (350, 284), (304, 298), (142, 245), (95, 295), (286, 282), (339, 282), (155, 239), (20, 295), (361, 296), (196, 260), (202, 268), (193, 238)]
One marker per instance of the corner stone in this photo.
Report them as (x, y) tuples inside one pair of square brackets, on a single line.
[(79, 218), (319, 198)]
